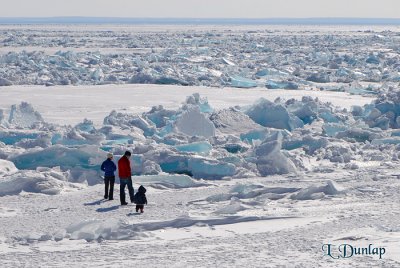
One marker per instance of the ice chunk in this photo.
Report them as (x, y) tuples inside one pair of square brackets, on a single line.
[(202, 148), (24, 116), (318, 192), (241, 82), (331, 129), (306, 109), (59, 235), (338, 152), (196, 100), (308, 142), (328, 116), (193, 122), (270, 72), (129, 121), (234, 121), (165, 80), (160, 116), (275, 84), (197, 166), (97, 74), (47, 182), (270, 159), (169, 181), (13, 137), (229, 62), (85, 126), (382, 121), (385, 110), (269, 147), (58, 155), (235, 147), (275, 163), (389, 140), (210, 169), (360, 134), (115, 135), (234, 206), (321, 57), (319, 77), (343, 72), (5, 82), (150, 168), (254, 135), (7, 167), (142, 78), (373, 59), (83, 133), (245, 189), (357, 89), (273, 115), (171, 163), (357, 110), (43, 141)]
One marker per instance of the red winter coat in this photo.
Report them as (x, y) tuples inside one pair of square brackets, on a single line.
[(124, 168)]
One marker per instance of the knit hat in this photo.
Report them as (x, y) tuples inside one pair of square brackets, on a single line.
[(110, 155)]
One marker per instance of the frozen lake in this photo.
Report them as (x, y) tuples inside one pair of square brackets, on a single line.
[(232, 180)]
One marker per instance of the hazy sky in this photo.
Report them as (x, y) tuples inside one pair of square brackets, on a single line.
[(202, 8)]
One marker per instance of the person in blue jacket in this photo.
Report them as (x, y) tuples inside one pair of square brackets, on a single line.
[(109, 168)]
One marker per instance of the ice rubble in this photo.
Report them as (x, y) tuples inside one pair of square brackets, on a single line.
[(238, 58), (23, 116), (42, 180), (266, 138)]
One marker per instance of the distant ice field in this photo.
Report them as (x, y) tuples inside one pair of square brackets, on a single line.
[(51, 31)]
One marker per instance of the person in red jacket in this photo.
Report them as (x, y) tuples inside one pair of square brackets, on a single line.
[(124, 172)]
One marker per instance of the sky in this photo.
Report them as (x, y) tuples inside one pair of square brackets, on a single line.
[(202, 8)]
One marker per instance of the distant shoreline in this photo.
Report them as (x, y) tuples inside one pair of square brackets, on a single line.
[(202, 21)]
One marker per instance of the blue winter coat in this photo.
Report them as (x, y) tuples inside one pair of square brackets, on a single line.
[(140, 196), (108, 167)]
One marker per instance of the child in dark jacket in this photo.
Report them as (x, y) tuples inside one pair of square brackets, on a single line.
[(140, 199)]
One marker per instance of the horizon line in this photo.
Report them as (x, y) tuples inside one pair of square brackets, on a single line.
[(178, 20)]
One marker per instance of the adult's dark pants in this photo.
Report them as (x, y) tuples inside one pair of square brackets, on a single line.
[(124, 182), (109, 187)]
